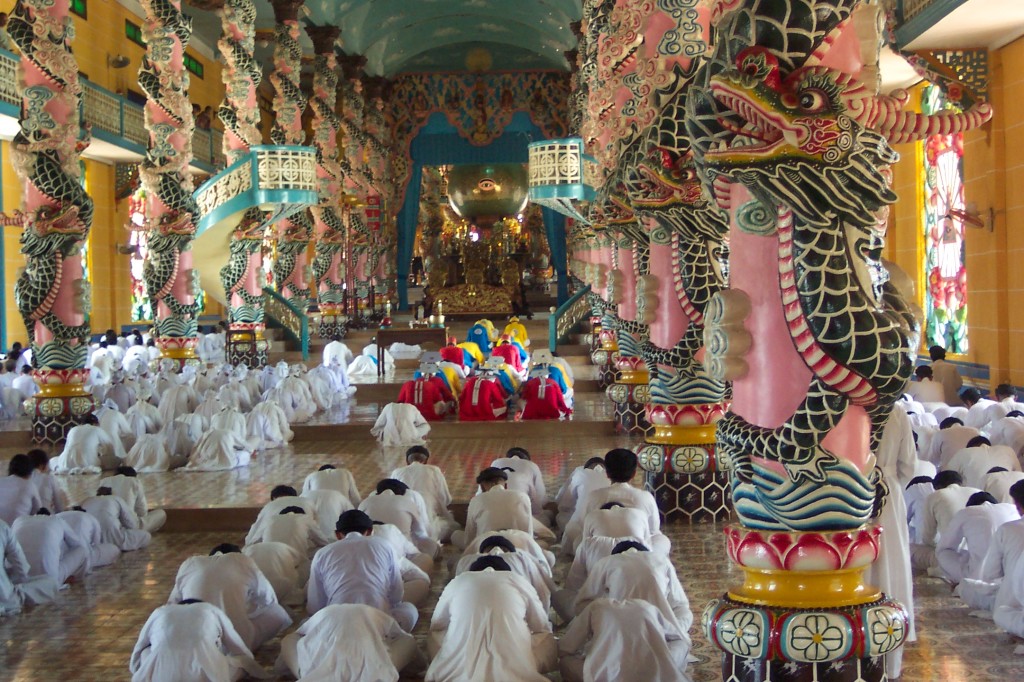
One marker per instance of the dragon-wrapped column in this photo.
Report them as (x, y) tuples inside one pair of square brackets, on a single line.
[(243, 277), (329, 260), (795, 141), (291, 271), (357, 180), (52, 293), (606, 331), (629, 390), (170, 208)]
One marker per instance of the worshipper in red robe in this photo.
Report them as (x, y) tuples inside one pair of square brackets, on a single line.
[(509, 353), (482, 400), (429, 394), (543, 398), (452, 353)]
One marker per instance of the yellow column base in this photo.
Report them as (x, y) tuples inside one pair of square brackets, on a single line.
[(805, 589), (677, 434)]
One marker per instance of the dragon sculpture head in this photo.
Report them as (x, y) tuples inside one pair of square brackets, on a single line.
[(52, 227), (806, 133)]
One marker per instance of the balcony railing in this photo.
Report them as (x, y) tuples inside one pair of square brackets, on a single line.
[(113, 118), (282, 312), (568, 315)]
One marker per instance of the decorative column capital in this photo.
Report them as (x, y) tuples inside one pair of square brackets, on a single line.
[(377, 87), (351, 65), (208, 5), (286, 10), (323, 38)]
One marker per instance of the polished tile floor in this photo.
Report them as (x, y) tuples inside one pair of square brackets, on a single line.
[(89, 633)]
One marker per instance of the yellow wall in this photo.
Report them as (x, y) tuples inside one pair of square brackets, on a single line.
[(14, 328), (993, 181)]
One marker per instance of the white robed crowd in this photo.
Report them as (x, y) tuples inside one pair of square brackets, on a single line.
[(353, 571)]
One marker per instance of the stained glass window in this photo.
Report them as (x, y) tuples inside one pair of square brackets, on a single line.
[(141, 308), (944, 210)]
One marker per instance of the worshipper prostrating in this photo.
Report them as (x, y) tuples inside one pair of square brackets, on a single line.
[(18, 494), (359, 569), (400, 424), (89, 450), (284, 567), (428, 393), (580, 483), (535, 570), (482, 399), (926, 389), (978, 456), (951, 438), (964, 543), (620, 466), (999, 589), (219, 450), (393, 502), (86, 527), (126, 485), (349, 642), (529, 474), (281, 497), (542, 398), (599, 644), (119, 525), (331, 477), (51, 547), (16, 587), (998, 482), (495, 508), (429, 481), (191, 640), (231, 581), (950, 496), (489, 624)]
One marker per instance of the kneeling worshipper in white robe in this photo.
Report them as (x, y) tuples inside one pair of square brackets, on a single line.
[(149, 454), (229, 419), (16, 587), (231, 581), (88, 450), (18, 494), (532, 481), (331, 477), (1000, 589), (429, 481), (489, 624), (613, 520), (281, 497), (950, 496), (266, 427), (998, 482), (194, 641), (336, 352), (964, 543), (497, 508), (601, 644), (115, 423), (178, 399), (400, 424), (328, 505), (536, 571), (634, 572), (359, 569), (143, 416), (119, 525), (974, 461), (181, 436), (588, 554), (51, 547), (296, 407), (413, 563), (1008, 431), (294, 527), (394, 503), (218, 450), (127, 485), (349, 642), (283, 566), (580, 483), (319, 388), (120, 394), (86, 527)]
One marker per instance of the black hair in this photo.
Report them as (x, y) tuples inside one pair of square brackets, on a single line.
[(593, 462), (416, 451), (104, 490), (947, 478), (225, 548), (996, 470), (627, 545), (293, 510), (491, 475), (519, 452), (620, 465), (353, 521), (485, 562), (970, 394), (283, 491), (950, 421), (40, 460), (981, 497), (1017, 493), (184, 602), (612, 505), (392, 484), (919, 479), (923, 372), (1006, 391), (978, 441), (127, 471), (327, 467), (43, 511), (1015, 413), (21, 466), (937, 353), (500, 541)]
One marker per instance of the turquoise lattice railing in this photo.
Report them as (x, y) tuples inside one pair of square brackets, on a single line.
[(283, 312), (568, 315)]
